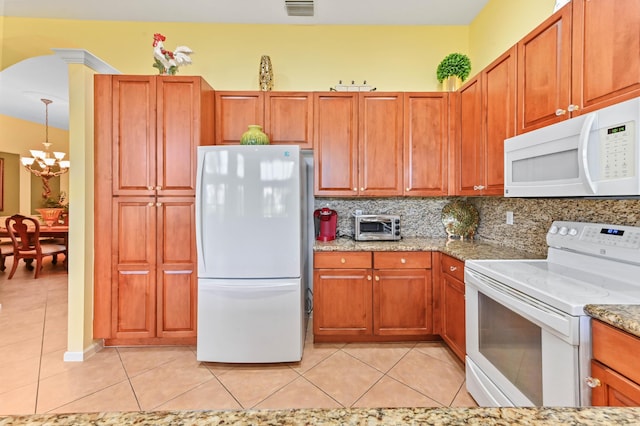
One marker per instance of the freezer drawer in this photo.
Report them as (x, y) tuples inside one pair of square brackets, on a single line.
[(250, 321)]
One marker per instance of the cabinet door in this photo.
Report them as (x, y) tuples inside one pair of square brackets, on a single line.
[(380, 165), (288, 118), (176, 272), (336, 144), (614, 390), (426, 143), (469, 152), (134, 286), (453, 324), (133, 120), (342, 302), (544, 72), (402, 302), (234, 112), (179, 128), (499, 100), (606, 42)]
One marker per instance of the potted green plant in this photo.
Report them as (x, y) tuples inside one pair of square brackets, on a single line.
[(453, 66)]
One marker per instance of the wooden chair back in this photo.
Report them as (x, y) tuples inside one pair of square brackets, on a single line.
[(24, 232)]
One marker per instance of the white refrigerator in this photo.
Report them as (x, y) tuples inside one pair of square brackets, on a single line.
[(251, 230)]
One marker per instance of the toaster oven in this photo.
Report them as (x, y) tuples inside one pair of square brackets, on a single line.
[(377, 227)]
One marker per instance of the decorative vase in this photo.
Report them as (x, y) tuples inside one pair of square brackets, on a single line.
[(265, 76), (451, 83), (254, 136), (50, 215)]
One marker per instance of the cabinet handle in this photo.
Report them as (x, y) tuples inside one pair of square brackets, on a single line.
[(592, 382), (150, 188), (572, 108), (369, 277), (362, 189), (407, 189), (453, 268), (403, 260), (478, 187), (377, 278), (355, 189), (158, 188), (150, 204), (560, 112), (343, 260), (158, 204)]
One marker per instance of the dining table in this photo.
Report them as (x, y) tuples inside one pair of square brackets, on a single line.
[(54, 231)]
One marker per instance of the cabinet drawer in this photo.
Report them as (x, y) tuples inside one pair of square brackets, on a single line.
[(341, 259), (616, 349), (402, 260), (453, 267)]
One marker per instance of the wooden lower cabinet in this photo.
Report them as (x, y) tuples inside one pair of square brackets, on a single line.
[(453, 305), (154, 293), (379, 296), (615, 375)]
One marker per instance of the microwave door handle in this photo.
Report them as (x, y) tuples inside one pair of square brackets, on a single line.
[(583, 148)]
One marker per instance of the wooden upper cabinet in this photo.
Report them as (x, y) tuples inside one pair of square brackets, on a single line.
[(499, 117), (234, 111), (288, 118), (336, 143), (133, 119), (468, 150), (156, 123), (606, 42), (380, 134), (426, 143), (544, 72), (184, 121)]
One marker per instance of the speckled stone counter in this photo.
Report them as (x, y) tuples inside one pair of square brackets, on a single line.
[(624, 317), (390, 416), (463, 250)]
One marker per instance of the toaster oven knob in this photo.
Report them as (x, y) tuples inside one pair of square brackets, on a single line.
[(573, 232), (563, 230), (398, 232), (553, 230)]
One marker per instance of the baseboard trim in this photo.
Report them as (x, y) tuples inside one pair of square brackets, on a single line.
[(95, 347)]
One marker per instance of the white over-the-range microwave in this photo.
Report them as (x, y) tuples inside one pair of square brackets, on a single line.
[(592, 155)]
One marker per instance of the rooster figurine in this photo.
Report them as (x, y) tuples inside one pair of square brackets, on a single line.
[(168, 62)]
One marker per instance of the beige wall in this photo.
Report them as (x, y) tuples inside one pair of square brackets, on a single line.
[(11, 184)]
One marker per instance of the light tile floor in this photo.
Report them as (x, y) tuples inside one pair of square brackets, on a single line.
[(34, 378)]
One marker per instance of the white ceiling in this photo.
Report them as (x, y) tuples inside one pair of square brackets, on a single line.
[(23, 84), (375, 12)]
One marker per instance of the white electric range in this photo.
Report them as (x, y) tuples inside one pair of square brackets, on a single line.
[(528, 337)]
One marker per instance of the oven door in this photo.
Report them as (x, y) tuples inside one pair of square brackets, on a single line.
[(520, 352)]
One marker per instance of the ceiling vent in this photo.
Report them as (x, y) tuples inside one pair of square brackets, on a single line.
[(299, 7)]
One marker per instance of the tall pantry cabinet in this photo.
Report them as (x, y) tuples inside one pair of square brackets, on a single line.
[(147, 129)]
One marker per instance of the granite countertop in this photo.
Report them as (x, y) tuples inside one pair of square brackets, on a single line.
[(463, 250), (347, 416), (624, 317)]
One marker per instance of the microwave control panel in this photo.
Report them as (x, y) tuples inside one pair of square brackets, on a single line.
[(617, 151)]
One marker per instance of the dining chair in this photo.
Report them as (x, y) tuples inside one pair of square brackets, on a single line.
[(24, 232)]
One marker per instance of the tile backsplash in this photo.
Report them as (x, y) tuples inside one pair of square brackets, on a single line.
[(421, 217)]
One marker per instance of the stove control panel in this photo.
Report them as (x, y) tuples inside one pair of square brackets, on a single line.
[(615, 241)]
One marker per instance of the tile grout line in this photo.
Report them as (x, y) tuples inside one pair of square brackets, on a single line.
[(135, 395), (44, 323)]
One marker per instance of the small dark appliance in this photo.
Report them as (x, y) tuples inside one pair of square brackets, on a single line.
[(326, 224)]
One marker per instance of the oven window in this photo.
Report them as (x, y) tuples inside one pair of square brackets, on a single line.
[(513, 345), (377, 227)]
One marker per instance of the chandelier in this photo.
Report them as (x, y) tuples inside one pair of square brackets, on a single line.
[(43, 163)]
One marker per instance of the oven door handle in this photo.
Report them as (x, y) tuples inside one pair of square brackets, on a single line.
[(553, 320)]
